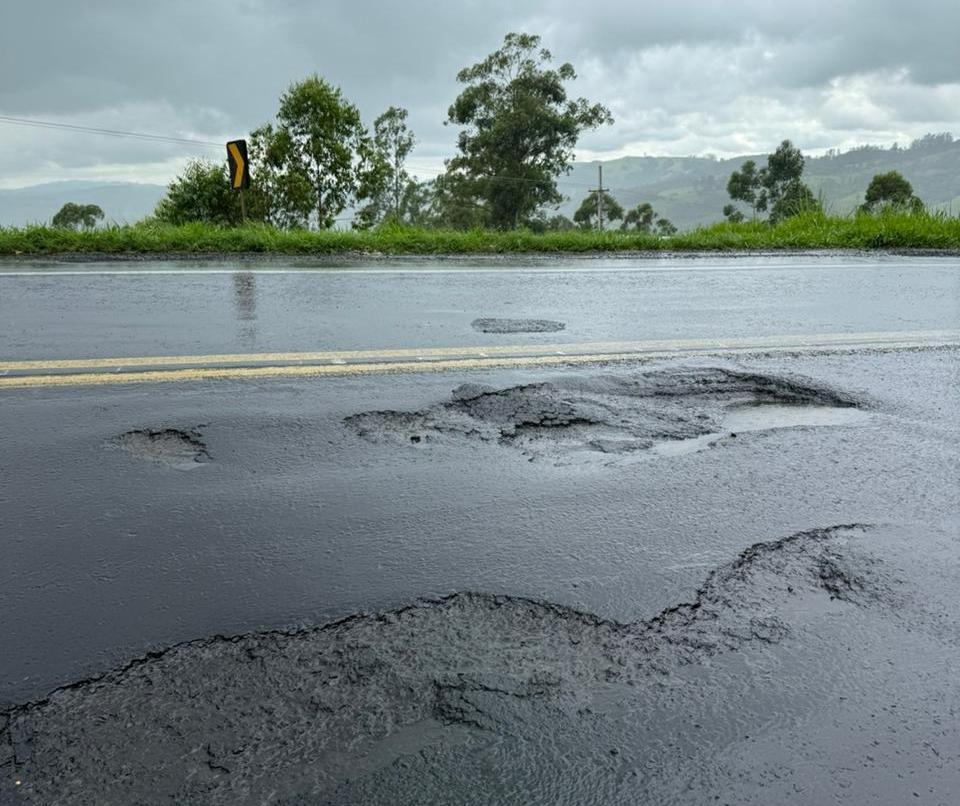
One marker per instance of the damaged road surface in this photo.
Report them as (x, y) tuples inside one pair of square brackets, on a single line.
[(665, 637), (517, 325), (667, 411), (409, 705), (173, 447), (686, 577)]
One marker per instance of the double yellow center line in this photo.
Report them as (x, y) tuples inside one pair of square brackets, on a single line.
[(185, 368)]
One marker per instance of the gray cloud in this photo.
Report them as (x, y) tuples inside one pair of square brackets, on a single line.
[(688, 77)]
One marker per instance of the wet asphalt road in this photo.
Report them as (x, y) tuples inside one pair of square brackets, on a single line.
[(77, 310), (850, 693)]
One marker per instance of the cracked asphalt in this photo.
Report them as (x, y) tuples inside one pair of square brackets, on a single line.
[(493, 586)]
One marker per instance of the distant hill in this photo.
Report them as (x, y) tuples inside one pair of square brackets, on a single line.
[(687, 190), (120, 201), (693, 190)]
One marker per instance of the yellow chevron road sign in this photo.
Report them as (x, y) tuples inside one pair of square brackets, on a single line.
[(239, 165)]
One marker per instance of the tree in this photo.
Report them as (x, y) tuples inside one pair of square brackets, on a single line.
[(312, 160), (777, 187), (588, 213), (453, 204), (746, 185), (520, 129), (787, 194), (933, 142), (665, 226), (559, 223), (288, 197), (385, 181), (643, 218), (201, 193), (793, 198), (74, 216), (417, 204), (732, 214), (556, 223), (890, 190)]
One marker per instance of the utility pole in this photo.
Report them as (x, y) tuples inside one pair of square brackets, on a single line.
[(396, 186), (599, 192), (600, 196)]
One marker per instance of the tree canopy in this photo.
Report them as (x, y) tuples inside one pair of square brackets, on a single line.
[(309, 163), (777, 187), (588, 213), (890, 190), (519, 130), (202, 193), (747, 186), (643, 218), (384, 182), (76, 216)]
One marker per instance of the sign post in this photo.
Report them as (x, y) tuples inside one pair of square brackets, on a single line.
[(239, 171)]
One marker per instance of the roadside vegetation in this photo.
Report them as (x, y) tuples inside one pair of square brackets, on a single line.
[(77, 216), (888, 229)]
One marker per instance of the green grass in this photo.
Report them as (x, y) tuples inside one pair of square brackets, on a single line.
[(812, 231)]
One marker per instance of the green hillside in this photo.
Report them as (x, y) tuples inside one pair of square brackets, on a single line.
[(689, 190), (692, 190)]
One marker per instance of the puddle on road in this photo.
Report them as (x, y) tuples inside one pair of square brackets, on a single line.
[(764, 417), (771, 416)]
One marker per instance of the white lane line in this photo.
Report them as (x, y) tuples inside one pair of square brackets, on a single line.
[(640, 266)]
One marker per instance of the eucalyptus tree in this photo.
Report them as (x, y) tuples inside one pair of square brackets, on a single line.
[(746, 185), (519, 130), (77, 216), (385, 182), (643, 218), (777, 187), (311, 160)]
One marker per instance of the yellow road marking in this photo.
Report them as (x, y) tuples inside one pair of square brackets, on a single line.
[(424, 353), (504, 360), (296, 371)]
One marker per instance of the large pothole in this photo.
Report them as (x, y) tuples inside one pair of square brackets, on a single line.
[(182, 449), (292, 717), (664, 412)]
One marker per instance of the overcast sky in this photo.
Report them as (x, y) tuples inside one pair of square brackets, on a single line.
[(697, 77)]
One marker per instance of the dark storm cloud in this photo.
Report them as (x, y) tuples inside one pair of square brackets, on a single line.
[(681, 77)]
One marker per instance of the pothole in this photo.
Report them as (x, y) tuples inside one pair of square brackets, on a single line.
[(517, 325), (664, 412), (171, 447), (279, 716)]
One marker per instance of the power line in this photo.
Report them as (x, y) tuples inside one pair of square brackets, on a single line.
[(72, 127), (499, 177), (162, 138)]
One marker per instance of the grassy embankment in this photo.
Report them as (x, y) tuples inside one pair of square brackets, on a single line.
[(813, 231)]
